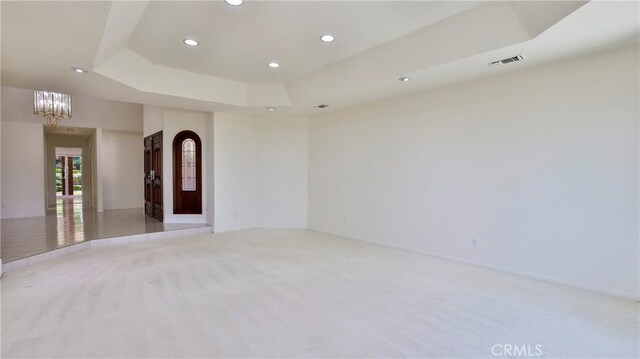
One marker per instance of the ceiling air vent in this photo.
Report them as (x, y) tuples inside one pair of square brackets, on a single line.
[(322, 106), (506, 61)]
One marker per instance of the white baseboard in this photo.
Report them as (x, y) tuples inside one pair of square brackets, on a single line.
[(614, 293)]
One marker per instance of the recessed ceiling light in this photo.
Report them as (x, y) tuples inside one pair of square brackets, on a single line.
[(79, 70), (69, 129), (327, 38), (271, 108), (404, 79), (234, 2), (274, 65), (322, 106), (191, 42)]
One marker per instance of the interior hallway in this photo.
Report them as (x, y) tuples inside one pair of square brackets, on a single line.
[(69, 223), (296, 293)]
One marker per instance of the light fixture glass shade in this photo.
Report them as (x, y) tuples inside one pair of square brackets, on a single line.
[(52, 105)]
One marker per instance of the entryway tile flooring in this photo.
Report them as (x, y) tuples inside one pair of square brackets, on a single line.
[(69, 224)]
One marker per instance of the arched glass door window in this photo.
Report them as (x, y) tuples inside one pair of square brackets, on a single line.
[(189, 167), (187, 173)]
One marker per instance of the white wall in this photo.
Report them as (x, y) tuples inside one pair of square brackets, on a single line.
[(260, 172), (176, 121), (17, 107), (88, 112), (210, 165), (122, 170), (1, 185), (23, 182), (152, 119), (235, 171), (95, 144), (539, 167), (255, 169), (281, 195)]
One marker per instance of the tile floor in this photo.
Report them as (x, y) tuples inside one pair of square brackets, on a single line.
[(69, 223)]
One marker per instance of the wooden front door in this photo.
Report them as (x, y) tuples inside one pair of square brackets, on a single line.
[(69, 176), (153, 176), (63, 174), (187, 173)]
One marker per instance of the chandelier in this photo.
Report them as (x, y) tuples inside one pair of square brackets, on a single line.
[(52, 105)]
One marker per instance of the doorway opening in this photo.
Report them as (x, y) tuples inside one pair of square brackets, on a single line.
[(68, 172)]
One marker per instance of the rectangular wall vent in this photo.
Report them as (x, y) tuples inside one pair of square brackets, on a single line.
[(506, 61)]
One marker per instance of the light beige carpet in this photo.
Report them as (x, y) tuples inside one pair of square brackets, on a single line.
[(296, 293)]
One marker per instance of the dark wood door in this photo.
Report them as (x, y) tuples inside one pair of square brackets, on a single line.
[(153, 204), (148, 201), (69, 176), (187, 173), (63, 173), (156, 167)]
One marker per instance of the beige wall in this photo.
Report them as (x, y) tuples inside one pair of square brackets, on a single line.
[(96, 174), (21, 126), (175, 121), (88, 112), (210, 165), (23, 181), (1, 185), (152, 119), (236, 171), (534, 172), (260, 171), (281, 194), (122, 170)]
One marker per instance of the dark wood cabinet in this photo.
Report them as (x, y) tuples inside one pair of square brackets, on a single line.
[(153, 176)]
